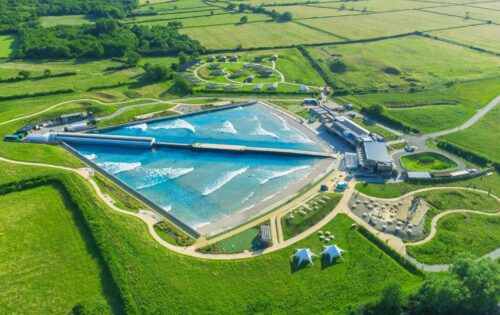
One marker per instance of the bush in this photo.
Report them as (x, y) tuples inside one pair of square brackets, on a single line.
[(391, 70), (337, 66)]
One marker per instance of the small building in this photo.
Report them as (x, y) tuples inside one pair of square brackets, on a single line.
[(259, 59), (211, 59), (12, 138), (265, 234), (304, 88), (274, 57), (69, 118), (348, 107), (259, 86), (419, 175), (234, 58), (273, 86), (222, 58), (23, 131), (342, 185), (310, 101), (250, 78)]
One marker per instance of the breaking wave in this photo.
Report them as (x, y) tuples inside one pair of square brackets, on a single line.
[(223, 180), (175, 124), (119, 167), (156, 176), (227, 127), (269, 175), (248, 197), (167, 208), (259, 131), (199, 225), (90, 156), (283, 121), (142, 127)]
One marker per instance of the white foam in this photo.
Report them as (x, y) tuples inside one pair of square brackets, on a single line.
[(248, 197), (175, 124), (142, 127), (223, 180), (283, 121), (259, 131), (119, 167), (155, 176), (90, 156), (199, 225), (269, 175), (167, 208), (227, 127), (267, 198)]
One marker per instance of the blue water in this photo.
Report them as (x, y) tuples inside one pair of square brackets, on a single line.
[(253, 125), (199, 187)]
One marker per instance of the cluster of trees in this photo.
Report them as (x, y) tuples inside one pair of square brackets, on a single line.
[(106, 38), (16, 13), (275, 15), (471, 288)]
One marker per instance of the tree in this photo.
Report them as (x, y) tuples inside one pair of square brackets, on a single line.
[(183, 85), (439, 296), (374, 110), (183, 58), (241, 7), (47, 73), (212, 12), (286, 17), (231, 7), (391, 301), (24, 74), (244, 19), (174, 24), (106, 26), (133, 58), (156, 73)]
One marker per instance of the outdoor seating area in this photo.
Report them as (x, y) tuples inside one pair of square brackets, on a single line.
[(402, 217)]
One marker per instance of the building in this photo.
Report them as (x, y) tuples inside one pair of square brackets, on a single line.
[(351, 161), (73, 117), (273, 86), (250, 78), (310, 101), (274, 57), (376, 157), (211, 59), (259, 59), (259, 86), (304, 88), (349, 131), (222, 58), (265, 234), (234, 58)]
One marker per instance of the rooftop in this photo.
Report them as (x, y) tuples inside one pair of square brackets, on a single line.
[(376, 151)]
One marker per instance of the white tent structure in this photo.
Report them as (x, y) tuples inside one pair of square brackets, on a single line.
[(332, 251), (304, 254)]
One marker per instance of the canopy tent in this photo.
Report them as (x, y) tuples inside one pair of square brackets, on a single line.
[(333, 251), (304, 254)]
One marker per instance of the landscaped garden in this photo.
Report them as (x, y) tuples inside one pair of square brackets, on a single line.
[(427, 161)]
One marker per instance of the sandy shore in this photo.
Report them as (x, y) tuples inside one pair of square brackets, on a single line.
[(320, 168)]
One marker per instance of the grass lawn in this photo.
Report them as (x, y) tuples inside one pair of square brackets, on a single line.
[(172, 234), (248, 239), (299, 223), (483, 36), (486, 183), (435, 109), (414, 61), (48, 259), (49, 21), (427, 161), (456, 233), (468, 12), (481, 137), (30, 152), (453, 199), (8, 46), (261, 34), (384, 24), (129, 114)]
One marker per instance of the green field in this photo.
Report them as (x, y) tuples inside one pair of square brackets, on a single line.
[(453, 199), (456, 233), (48, 255), (48, 21), (435, 109), (483, 36), (299, 223), (481, 137), (247, 240), (8, 46), (402, 64), (262, 34), (376, 5), (467, 12), (427, 161), (385, 24)]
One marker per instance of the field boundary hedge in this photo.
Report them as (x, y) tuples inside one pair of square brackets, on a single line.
[(467, 155), (401, 260), (39, 94)]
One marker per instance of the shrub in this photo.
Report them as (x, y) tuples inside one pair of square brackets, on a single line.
[(392, 70), (337, 66)]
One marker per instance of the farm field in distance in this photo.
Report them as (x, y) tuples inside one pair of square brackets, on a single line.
[(249, 157)]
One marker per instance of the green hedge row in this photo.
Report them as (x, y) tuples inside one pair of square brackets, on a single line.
[(467, 155), (39, 94), (390, 251), (104, 87)]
